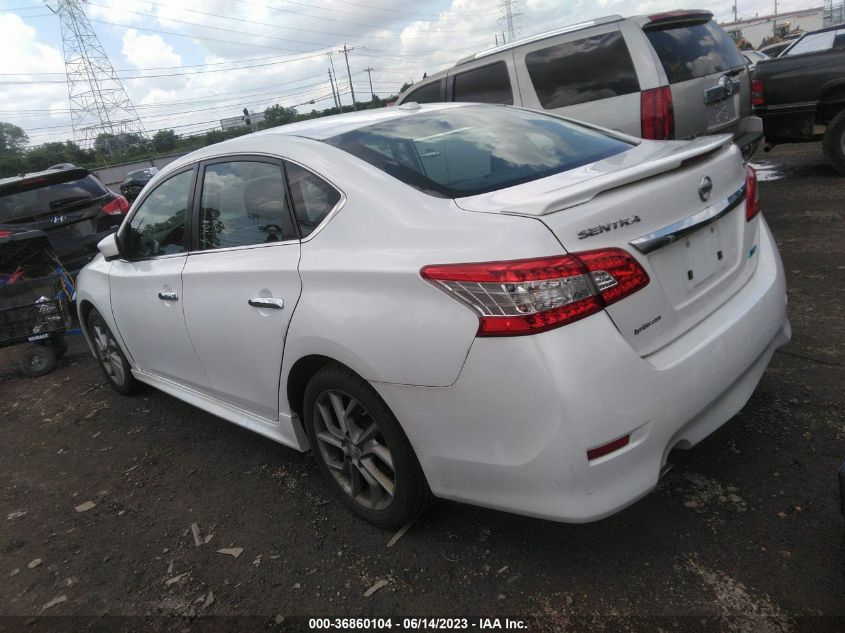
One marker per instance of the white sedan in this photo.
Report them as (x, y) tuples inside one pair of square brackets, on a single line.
[(473, 302)]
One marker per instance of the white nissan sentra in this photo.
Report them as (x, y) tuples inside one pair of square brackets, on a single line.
[(474, 302)]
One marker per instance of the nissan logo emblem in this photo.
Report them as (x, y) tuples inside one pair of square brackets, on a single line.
[(704, 188)]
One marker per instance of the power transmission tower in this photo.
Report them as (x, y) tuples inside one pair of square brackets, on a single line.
[(370, 74), (99, 104), (510, 17), (345, 50)]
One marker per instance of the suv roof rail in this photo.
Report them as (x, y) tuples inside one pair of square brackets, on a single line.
[(541, 36)]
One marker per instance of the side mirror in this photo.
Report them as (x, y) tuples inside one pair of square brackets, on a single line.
[(109, 247)]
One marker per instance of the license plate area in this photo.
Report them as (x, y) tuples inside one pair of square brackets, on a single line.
[(703, 256), (723, 111)]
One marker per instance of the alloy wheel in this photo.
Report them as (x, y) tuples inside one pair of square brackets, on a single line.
[(354, 449), (108, 352)]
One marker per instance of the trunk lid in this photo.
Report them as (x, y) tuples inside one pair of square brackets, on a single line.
[(650, 192)]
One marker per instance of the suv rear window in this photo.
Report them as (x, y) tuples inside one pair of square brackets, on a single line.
[(476, 149), (597, 67), (488, 84), (692, 51), (42, 195)]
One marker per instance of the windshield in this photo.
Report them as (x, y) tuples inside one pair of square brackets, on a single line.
[(467, 151)]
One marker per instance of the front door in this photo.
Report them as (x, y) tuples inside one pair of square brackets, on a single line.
[(241, 283), (146, 284)]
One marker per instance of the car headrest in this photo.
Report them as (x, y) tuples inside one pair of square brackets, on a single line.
[(265, 198)]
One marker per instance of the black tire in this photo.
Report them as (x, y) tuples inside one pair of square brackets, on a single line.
[(36, 360), (375, 503), (109, 355), (834, 142), (59, 345)]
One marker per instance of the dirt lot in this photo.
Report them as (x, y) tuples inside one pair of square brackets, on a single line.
[(744, 534)]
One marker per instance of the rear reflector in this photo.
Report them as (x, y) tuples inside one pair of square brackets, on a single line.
[(528, 296), (657, 114), (757, 97), (752, 202), (118, 206), (605, 449)]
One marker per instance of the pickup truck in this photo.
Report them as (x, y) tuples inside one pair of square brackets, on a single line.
[(801, 95)]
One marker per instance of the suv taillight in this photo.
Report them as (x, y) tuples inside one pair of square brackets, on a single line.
[(657, 114), (527, 296), (757, 98), (118, 206), (752, 202)]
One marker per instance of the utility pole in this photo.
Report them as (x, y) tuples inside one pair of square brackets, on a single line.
[(331, 83), (370, 74), (346, 52), (775, 21), (334, 74), (736, 19)]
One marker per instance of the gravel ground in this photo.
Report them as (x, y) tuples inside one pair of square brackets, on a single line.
[(744, 534)]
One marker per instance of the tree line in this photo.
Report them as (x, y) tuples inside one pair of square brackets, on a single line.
[(16, 157)]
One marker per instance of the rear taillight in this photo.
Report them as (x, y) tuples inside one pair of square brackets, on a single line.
[(5, 233), (527, 296), (118, 206), (657, 114), (757, 98), (752, 202)]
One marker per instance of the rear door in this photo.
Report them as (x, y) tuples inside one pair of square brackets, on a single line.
[(711, 89), (241, 283)]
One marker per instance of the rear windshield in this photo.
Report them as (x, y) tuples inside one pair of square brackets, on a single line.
[(476, 149), (692, 51), (43, 195)]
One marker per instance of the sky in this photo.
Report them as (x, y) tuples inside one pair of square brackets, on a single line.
[(186, 64)]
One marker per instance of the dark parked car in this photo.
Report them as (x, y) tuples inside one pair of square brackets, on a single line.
[(70, 205), (135, 181), (801, 95)]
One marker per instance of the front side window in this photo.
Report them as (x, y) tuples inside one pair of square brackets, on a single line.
[(313, 197), (475, 149), (597, 67), (158, 226), (488, 84), (243, 203), (692, 51), (429, 93)]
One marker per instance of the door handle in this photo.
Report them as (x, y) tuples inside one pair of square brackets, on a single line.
[(168, 296), (267, 302)]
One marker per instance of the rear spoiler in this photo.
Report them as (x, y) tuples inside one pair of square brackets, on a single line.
[(581, 193), (669, 19), (45, 178)]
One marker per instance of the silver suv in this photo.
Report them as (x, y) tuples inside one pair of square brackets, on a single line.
[(674, 75)]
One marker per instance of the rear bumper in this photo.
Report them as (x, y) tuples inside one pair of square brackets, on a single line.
[(513, 432), (749, 135)]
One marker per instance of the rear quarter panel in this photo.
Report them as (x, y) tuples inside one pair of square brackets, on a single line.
[(363, 300)]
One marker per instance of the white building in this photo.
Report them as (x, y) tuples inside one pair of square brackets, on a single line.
[(758, 28)]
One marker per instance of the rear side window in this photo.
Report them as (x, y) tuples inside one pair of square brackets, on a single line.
[(158, 226), (43, 196), (475, 149), (813, 43), (691, 51), (243, 203), (313, 197), (429, 93), (597, 67), (488, 84)]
